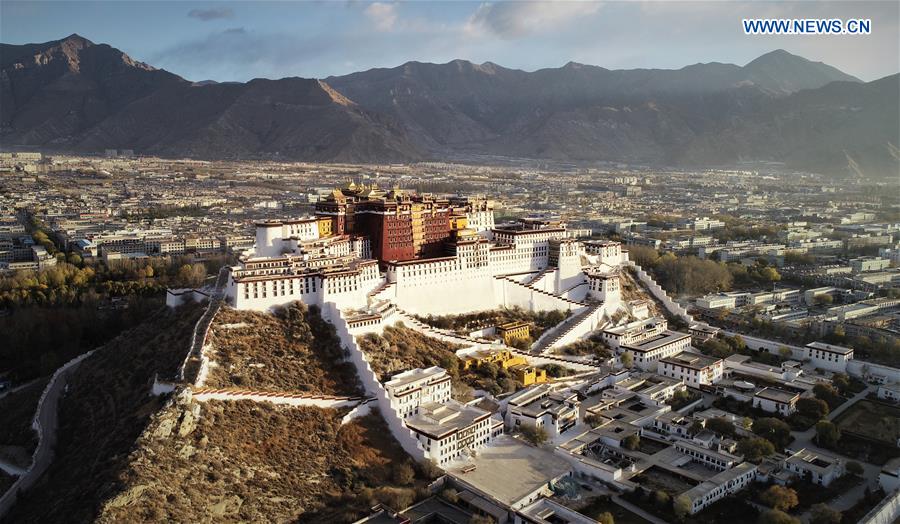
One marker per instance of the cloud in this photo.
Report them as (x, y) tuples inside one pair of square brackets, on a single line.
[(207, 15), (511, 20), (383, 15)]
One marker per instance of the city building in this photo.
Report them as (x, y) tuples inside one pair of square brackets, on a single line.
[(776, 401), (410, 389), (693, 368), (816, 467), (540, 407)]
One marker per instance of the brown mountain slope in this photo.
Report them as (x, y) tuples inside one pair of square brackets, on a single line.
[(72, 94)]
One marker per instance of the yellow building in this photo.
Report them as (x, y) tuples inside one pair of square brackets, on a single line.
[(528, 375), (514, 330), (501, 357)]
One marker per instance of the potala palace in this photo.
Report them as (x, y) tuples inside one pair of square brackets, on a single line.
[(366, 247)]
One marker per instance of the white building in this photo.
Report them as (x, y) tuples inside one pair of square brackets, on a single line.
[(452, 430), (693, 368), (720, 485), (776, 401), (541, 407), (828, 356), (634, 332), (410, 389), (648, 352), (816, 467)]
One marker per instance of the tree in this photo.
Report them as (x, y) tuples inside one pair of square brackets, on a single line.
[(855, 468), (404, 474), (779, 497), (755, 449), (682, 506), (450, 495), (828, 393), (812, 408), (785, 352), (721, 426), (841, 381), (627, 359), (823, 514), (536, 436), (606, 518), (631, 442), (661, 498), (823, 300), (827, 434), (774, 430), (773, 516)]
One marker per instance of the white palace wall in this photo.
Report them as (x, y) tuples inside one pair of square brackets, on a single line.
[(405, 437)]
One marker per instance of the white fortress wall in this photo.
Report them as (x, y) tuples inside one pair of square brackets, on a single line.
[(511, 293), (657, 291), (372, 385)]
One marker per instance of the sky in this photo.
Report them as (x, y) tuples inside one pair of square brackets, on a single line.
[(241, 40)]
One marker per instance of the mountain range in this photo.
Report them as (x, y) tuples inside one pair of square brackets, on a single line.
[(73, 95)]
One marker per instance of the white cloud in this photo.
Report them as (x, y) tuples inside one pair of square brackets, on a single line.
[(518, 19), (383, 15)]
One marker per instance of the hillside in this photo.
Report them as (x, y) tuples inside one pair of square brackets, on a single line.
[(72, 94), (294, 350), (256, 462), (105, 410)]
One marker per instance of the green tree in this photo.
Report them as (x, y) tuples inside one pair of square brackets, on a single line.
[(773, 516), (631, 442), (627, 359), (827, 434), (682, 506), (824, 514), (661, 498), (828, 393), (774, 430), (755, 449), (721, 426), (780, 497), (537, 436), (812, 408), (606, 518)]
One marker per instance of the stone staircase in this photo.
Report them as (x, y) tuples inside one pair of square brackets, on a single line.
[(566, 327), (532, 288)]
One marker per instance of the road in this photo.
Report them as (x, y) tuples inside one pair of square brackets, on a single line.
[(47, 419), (806, 439)]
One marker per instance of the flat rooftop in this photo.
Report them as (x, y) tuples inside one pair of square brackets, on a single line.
[(691, 360), (663, 339), (438, 420), (777, 395), (508, 470), (413, 375), (831, 348)]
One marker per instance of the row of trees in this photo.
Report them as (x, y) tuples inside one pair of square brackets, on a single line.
[(689, 275), (67, 284)]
